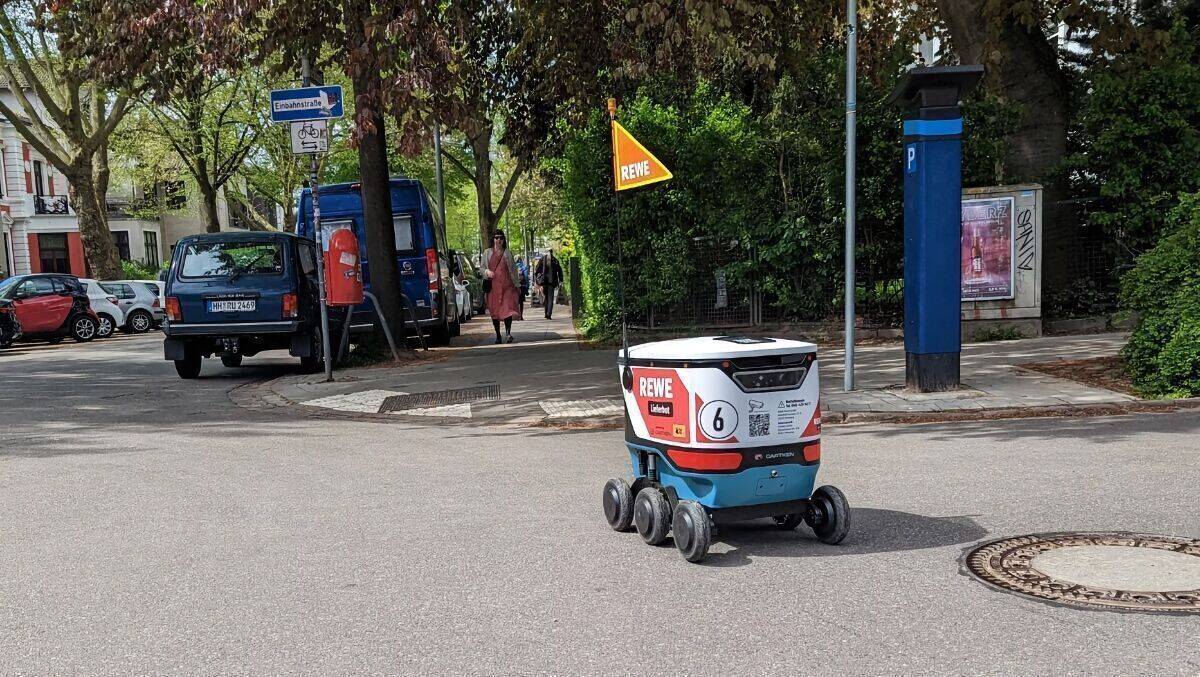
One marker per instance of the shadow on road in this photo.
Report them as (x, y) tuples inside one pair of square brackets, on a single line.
[(1102, 429), (872, 530)]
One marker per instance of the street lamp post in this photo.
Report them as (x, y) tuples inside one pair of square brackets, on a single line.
[(851, 106)]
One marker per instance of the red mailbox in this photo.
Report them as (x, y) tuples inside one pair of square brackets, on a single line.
[(343, 269)]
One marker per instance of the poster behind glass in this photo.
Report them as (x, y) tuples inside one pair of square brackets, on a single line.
[(987, 249)]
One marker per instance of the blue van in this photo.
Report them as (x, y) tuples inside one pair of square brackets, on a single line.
[(235, 295), (423, 260)]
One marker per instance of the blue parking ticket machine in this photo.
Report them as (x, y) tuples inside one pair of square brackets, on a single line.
[(933, 125)]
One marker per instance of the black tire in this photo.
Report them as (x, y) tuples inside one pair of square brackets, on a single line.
[(789, 522), (188, 367), (83, 328), (106, 326), (440, 335), (139, 322), (618, 504), (231, 361), (829, 517), (313, 363), (693, 533), (652, 516)]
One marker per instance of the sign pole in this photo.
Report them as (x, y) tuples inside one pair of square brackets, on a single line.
[(437, 170), (851, 106), (627, 382), (306, 75)]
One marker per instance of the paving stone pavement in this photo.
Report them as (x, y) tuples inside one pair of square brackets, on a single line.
[(549, 376)]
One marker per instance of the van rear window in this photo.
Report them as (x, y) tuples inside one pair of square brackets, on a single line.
[(218, 259), (402, 224)]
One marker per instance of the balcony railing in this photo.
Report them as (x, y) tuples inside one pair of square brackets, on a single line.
[(54, 204)]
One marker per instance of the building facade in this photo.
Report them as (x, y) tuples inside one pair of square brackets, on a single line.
[(39, 230)]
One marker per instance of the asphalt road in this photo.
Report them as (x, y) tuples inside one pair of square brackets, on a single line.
[(148, 525)]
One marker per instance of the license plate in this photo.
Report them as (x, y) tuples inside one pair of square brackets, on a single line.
[(231, 306)]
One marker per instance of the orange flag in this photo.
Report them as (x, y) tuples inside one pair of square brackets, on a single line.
[(633, 165)]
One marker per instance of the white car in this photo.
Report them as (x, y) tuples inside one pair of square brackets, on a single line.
[(462, 291), (105, 306), (141, 301)]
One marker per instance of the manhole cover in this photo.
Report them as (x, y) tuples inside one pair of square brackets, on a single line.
[(1108, 570)]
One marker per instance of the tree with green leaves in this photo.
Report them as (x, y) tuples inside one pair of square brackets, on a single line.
[(212, 121), (67, 116)]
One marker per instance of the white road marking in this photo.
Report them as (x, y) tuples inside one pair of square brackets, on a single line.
[(460, 410), (580, 408), (366, 402)]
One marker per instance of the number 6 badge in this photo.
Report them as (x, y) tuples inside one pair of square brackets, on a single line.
[(718, 419)]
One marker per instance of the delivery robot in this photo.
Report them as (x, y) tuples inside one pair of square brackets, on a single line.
[(722, 429)]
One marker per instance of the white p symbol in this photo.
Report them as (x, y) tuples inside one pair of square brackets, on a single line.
[(912, 158)]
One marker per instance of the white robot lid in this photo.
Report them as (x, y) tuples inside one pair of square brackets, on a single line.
[(718, 348)]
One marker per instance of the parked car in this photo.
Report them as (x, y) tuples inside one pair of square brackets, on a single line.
[(139, 300), (51, 306), (463, 278), (422, 256), (10, 328), (108, 313), (235, 295)]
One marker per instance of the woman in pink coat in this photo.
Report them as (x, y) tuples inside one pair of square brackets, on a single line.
[(504, 298)]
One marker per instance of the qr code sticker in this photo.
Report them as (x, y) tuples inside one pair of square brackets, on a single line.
[(760, 425)]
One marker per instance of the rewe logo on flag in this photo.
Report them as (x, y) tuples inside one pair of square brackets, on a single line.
[(633, 165)]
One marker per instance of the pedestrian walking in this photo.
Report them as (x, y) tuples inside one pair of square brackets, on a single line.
[(502, 285), (548, 275), (523, 271)]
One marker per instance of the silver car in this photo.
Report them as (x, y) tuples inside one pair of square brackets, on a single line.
[(140, 301)]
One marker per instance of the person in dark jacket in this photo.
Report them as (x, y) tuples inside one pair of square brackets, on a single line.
[(548, 275)]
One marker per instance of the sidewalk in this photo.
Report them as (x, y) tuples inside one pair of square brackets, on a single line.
[(548, 378)]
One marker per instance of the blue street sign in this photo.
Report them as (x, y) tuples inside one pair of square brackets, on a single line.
[(306, 103)]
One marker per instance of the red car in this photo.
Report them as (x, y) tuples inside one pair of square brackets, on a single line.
[(50, 306)]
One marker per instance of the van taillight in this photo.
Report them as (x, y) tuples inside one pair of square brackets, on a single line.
[(290, 307), (431, 264), (174, 314)]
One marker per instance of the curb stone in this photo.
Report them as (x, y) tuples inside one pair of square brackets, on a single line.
[(258, 395)]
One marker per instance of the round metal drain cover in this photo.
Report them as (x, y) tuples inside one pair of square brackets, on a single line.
[(1099, 570)]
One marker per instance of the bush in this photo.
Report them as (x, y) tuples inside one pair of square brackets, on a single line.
[(136, 270), (1139, 129), (1163, 290)]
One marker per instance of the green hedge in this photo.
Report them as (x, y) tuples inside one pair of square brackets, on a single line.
[(765, 179), (1163, 289)]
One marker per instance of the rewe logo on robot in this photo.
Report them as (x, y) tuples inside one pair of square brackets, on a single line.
[(654, 387)]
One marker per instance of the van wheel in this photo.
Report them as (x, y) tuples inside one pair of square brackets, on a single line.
[(188, 367), (313, 363), (231, 361), (440, 335)]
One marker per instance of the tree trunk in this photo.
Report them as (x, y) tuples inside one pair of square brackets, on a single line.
[(481, 147), (373, 171), (208, 207), (98, 245), (1022, 67)]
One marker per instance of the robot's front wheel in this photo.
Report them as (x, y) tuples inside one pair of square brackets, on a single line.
[(618, 504), (693, 533), (652, 515), (828, 514)]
